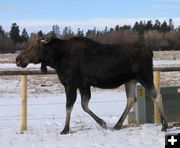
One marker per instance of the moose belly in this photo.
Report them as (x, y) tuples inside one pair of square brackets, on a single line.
[(110, 82)]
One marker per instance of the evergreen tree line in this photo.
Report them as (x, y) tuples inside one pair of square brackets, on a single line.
[(12, 40), (155, 36)]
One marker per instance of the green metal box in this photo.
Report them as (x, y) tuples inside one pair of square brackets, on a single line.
[(144, 108)]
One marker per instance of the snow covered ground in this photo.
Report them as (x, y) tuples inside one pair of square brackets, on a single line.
[(46, 115)]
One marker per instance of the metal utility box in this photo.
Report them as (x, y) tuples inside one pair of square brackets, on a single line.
[(144, 108)]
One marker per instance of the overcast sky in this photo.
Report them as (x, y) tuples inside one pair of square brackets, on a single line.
[(35, 15)]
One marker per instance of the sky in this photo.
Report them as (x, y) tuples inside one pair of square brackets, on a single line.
[(35, 15)]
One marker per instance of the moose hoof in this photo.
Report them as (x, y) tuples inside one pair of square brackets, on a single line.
[(116, 127), (64, 132), (164, 126), (103, 124), (164, 129), (44, 69)]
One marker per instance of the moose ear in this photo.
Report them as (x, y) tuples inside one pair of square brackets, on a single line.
[(48, 37), (44, 41)]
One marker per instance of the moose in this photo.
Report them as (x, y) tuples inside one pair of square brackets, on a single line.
[(81, 63)]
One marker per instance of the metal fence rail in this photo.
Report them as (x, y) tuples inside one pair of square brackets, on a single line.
[(51, 71)]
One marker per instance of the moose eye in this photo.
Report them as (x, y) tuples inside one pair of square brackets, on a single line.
[(33, 48)]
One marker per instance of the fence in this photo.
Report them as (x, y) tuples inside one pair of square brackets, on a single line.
[(26, 72)]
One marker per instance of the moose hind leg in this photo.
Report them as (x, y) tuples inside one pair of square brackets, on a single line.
[(85, 97), (157, 98), (70, 100), (130, 93)]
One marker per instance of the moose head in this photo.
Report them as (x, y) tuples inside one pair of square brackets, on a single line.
[(33, 52)]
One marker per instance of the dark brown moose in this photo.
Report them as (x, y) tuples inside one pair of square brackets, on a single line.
[(81, 63)]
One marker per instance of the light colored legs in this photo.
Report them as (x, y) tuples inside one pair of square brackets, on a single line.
[(130, 93), (70, 100), (85, 97), (157, 98)]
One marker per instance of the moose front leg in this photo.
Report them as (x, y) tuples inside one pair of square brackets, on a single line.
[(43, 67), (70, 100), (85, 97)]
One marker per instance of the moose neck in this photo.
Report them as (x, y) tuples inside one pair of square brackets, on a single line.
[(52, 53)]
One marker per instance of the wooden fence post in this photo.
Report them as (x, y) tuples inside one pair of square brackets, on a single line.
[(23, 102), (157, 118)]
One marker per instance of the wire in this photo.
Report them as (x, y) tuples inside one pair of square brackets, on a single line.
[(60, 103), (55, 117)]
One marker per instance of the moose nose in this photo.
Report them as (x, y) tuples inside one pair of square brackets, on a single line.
[(18, 61)]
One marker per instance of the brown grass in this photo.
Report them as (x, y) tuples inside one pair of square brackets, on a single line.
[(8, 58)]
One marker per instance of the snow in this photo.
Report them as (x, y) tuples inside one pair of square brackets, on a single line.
[(13, 66), (166, 62), (46, 120), (46, 115)]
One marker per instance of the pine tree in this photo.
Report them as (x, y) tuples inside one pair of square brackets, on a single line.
[(24, 35), (164, 27), (139, 27), (157, 25), (2, 32), (65, 31), (56, 30), (111, 30), (88, 33), (94, 31), (171, 24), (80, 32), (70, 32), (125, 27), (91, 33), (105, 30), (136, 27), (14, 33), (40, 34), (149, 25), (117, 28)]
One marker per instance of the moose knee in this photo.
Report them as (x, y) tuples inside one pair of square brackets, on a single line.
[(84, 105), (131, 101), (152, 93)]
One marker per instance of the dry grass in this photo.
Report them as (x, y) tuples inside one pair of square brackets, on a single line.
[(8, 58), (175, 124), (167, 55), (158, 55)]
